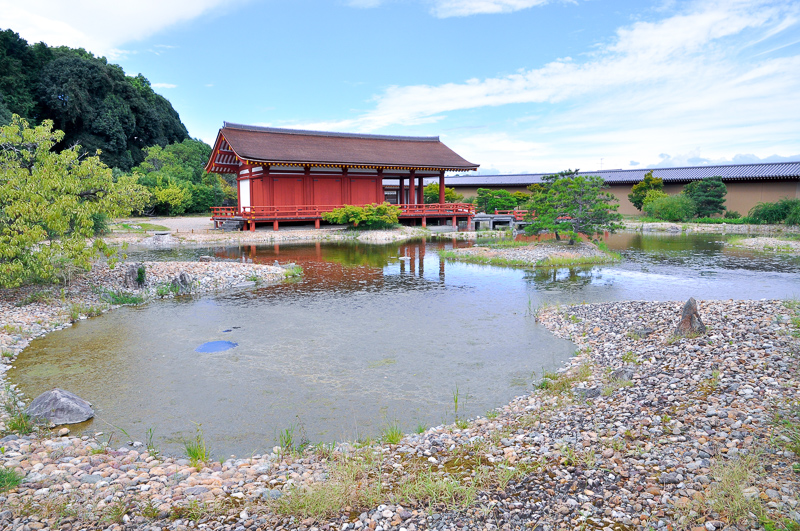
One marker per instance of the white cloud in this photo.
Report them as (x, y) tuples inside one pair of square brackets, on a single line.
[(678, 84), (463, 8), (100, 26), (164, 85)]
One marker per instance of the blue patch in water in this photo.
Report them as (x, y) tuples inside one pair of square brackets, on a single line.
[(228, 330), (216, 346)]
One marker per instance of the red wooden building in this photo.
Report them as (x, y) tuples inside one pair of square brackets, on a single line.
[(293, 175)]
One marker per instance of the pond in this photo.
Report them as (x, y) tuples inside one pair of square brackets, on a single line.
[(370, 336)]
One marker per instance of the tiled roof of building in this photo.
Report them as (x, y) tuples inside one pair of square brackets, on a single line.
[(269, 145), (732, 172)]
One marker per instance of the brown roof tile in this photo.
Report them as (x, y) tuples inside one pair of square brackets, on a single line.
[(272, 145)]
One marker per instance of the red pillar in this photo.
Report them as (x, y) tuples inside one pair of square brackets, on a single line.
[(424, 222), (455, 223), (441, 187), (275, 225), (412, 190), (401, 193), (316, 223)]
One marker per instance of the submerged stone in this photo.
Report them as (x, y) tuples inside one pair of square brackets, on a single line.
[(60, 407), (216, 346)]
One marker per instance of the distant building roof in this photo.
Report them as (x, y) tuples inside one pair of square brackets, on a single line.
[(270, 145), (731, 172)]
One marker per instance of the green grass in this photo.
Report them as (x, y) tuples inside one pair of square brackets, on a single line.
[(77, 309), (563, 261), (501, 244), (196, 449), (121, 297), (392, 434), (462, 424), (9, 479), (559, 383), (421, 427), (293, 271), (485, 260), (139, 227), (726, 496), (18, 421), (36, 296)]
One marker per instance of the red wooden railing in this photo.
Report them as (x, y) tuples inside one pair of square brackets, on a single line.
[(296, 212), (519, 215)]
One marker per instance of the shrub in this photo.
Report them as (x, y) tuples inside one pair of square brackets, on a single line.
[(793, 217), (651, 196), (679, 207), (375, 216), (732, 214), (774, 212)]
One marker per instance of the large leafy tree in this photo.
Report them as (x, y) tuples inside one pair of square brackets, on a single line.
[(93, 102), (178, 181), (708, 195), (48, 203), (431, 194), (640, 189), (490, 200), (571, 203)]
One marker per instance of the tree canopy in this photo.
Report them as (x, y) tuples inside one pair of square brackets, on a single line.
[(490, 200), (708, 195), (431, 194), (640, 189), (572, 203), (93, 102), (48, 203)]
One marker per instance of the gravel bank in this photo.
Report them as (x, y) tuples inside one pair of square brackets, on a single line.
[(531, 254), (638, 433), (184, 236), (721, 228), (763, 243)]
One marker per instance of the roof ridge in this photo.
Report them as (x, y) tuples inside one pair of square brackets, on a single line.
[(280, 130)]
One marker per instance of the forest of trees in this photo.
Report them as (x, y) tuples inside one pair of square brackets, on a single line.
[(93, 102)]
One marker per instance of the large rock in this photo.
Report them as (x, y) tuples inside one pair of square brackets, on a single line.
[(182, 282), (60, 407), (690, 323)]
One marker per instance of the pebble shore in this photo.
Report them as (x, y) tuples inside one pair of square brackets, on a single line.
[(636, 433), (763, 243), (531, 254)]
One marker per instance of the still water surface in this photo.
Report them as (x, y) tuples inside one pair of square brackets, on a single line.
[(371, 335)]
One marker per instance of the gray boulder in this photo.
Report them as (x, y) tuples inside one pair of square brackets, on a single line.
[(132, 276), (690, 323), (60, 407), (182, 282)]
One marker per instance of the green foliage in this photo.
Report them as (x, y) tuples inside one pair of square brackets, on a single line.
[(175, 176), (490, 200), (708, 195), (392, 434), (375, 216), (121, 297), (572, 203), (47, 203), (9, 479), (196, 449), (93, 102), (431, 194), (17, 420), (678, 207), (777, 212), (732, 214), (651, 196), (640, 189)]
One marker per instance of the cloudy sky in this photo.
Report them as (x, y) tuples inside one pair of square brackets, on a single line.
[(513, 85)]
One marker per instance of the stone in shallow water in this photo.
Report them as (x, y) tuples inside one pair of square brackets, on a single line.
[(60, 407), (216, 346)]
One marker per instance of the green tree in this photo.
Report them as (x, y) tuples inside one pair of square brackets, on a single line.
[(490, 200), (572, 203), (431, 194), (678, 207), (640, 189), (176, 176), (708, 195), (48, 201)]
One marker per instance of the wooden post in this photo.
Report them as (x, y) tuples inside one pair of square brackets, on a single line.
[(441, 187), (455, 223), (401, 193), (420, 192), (275, 225), (252, 225), (412, 190), (424, 222), (316, 223)]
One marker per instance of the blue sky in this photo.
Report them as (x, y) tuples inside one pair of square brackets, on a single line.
[(514, 85)]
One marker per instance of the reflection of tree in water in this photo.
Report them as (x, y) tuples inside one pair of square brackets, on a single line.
[(561, 278)]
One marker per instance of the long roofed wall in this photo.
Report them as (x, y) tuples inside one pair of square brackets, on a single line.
[(748, 184)]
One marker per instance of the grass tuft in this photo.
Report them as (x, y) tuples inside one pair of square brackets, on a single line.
[(196, 449), (9, 479)]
